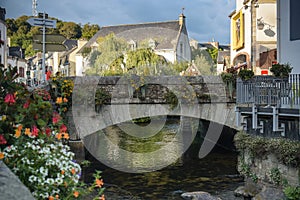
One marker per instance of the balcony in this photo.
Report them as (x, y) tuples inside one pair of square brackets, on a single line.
[(269, 106)]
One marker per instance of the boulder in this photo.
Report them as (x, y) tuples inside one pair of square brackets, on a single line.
[(270, 193), (198, 196)]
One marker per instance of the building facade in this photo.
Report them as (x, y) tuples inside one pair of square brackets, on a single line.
[(289, 33), (254, 35)]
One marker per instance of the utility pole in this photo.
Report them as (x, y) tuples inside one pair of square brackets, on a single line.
[(44, 41), (34, 10), (43, 22)]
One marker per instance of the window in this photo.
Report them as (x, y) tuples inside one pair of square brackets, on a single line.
[(294, 20), (181, 48), (132, 45), (152, 44), (21, 72)]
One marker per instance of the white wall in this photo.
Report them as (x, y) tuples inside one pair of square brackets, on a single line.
[(267, 11), (79, 65), (288, 51), (3, 48), (186, 54), (247, 31)]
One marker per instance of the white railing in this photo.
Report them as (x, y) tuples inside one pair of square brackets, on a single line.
[(270, 91)]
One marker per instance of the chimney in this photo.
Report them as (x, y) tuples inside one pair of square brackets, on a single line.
[(181, 19)]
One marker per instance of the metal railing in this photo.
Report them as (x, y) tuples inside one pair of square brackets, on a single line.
[(270, 91)]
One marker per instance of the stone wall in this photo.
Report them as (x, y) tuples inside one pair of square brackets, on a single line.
[(154, 89), (11, 188), (264, 168)]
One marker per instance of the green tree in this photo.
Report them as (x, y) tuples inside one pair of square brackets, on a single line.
[(11, 27), (70, 30), (204, 65), (214, 54), (110, 48), (89, 30)]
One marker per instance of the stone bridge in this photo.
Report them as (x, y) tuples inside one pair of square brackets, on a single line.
[(99, 102)]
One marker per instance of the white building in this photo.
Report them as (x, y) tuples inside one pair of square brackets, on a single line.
[(289, 33), (254, 35), (3, 38)]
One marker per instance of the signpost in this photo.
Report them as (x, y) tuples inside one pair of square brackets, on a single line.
[(53, 42), (44, 23)]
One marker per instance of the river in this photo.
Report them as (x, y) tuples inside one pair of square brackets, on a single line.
[(216, 173)]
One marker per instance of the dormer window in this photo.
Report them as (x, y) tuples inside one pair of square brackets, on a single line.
[(132, 45), (152, 43)]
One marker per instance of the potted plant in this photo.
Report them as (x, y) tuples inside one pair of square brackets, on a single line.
[(281, 70)]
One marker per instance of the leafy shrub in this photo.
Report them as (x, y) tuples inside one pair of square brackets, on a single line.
[(245, 74), (281, 70)]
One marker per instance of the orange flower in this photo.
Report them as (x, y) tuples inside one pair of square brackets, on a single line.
[(50, 198), (1, 155), (65, 100), (65, 184), (17, 133), (76, 194), (99, 182), (62, 172), (27, 131), (57, 196), (102, 197), (59, 100), (20, 127), (66, 136), (58, 136), (73, 171)]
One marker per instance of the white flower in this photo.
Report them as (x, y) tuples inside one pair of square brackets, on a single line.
[(32, 178), (50, 181)]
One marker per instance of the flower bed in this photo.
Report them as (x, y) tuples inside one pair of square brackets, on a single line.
[(34, 138)]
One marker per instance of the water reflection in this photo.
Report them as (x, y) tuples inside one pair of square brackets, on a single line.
[(214, 173), (127, 153)]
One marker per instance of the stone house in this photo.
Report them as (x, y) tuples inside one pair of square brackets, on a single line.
[(168, 39)]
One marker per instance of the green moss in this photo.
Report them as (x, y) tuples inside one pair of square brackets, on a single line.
[(286, 151)]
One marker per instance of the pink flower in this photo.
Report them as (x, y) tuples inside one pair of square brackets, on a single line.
[(26, 104), (63, 128), (35, 131), (9, 99), (2, 139)]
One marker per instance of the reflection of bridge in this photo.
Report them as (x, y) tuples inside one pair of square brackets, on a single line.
[(123, 99)]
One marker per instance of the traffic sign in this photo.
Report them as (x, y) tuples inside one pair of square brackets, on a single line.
[(50, 38), (49, 23), (49, 47)]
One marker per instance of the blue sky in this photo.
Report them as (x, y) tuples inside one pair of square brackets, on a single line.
[(205, 19)]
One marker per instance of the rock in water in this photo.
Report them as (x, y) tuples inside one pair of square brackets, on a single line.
[(198, 196), (270, 193)]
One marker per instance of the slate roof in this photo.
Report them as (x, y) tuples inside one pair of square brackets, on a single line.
[(165, 34), (16, 52), (205, 46), (70, 44)]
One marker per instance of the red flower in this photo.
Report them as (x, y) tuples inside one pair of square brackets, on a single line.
[(2, 139), (35, 131), (55, 118), (9, 99), (48, 131), (63, 128), (26, 104)]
